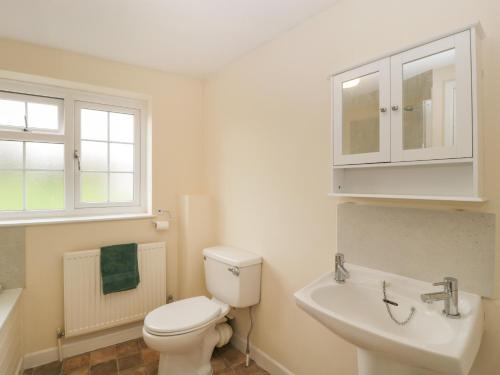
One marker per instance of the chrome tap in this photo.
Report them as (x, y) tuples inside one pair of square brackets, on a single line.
[(449, 296), (341, 274)]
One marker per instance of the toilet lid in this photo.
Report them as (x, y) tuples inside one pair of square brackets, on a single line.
[(183, 315)]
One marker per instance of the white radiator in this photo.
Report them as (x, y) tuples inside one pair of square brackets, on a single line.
[(86, 309)]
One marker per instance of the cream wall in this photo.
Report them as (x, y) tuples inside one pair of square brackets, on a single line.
[(177, 106), (195, 233), (267, 128)]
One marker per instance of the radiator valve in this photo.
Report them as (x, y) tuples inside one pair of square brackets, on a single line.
[(60, 333)]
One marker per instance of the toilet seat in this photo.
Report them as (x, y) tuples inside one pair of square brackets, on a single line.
[(182, 316)]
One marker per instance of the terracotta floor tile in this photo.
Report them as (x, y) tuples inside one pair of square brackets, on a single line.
[(76, 362), (142, 344), (252, 369), (135, 358), (218, 364), (152, 368), (136, 371), (105, 368), (102, 355), (80, 371), (227, 371), (53, 368), (149, 355), (233, 357), (126, 348), (130, 361)]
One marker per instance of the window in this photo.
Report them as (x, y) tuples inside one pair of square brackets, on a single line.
[(107, 155), (66, 152), (31, 153), (30, 113)]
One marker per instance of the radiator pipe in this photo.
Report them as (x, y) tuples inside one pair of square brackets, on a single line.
[(247, 350), (60, 336)]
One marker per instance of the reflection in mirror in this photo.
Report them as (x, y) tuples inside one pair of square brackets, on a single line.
[(360, 115), (429, 101)]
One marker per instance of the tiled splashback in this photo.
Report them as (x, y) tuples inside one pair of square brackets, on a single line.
[(12, 264), (422, 244)]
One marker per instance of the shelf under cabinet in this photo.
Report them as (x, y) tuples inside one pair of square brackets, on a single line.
[(416, 197), (405, 163), (446, 180)]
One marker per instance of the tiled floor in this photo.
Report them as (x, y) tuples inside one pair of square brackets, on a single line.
[(135, 358)]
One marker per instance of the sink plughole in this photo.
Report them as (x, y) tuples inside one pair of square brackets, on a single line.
[(430, 343)]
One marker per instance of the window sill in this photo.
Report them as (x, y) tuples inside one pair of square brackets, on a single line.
[(73, 219)]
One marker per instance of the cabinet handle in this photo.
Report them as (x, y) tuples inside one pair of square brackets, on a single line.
[(395, 107), (383, 109)]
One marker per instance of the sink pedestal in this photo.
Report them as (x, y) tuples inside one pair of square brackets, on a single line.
[(371, 363)]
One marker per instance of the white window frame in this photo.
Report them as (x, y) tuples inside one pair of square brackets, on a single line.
[(72, 94), (79, 105)]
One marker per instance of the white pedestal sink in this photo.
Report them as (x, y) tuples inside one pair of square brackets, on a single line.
[(429, 344)]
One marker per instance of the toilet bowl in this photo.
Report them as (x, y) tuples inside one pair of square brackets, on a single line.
[(186, 332)]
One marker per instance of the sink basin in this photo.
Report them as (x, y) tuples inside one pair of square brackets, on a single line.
[(429, 344)]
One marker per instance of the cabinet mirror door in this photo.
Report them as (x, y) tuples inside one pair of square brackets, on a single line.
[(361, 118), (431, 101)]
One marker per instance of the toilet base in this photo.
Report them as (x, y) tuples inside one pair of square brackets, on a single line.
[(195, 361), (182, 365)]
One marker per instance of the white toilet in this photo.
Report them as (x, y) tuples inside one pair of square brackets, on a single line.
[(186, 332)]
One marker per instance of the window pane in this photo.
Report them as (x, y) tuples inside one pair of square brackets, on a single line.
[(44, 190), (11, 155), (12, 113), (94, 187), (121, 187), (121, 127), (44, 156), (43, 116), (94, 156), (121, 157), (11, 190), (94, 125)]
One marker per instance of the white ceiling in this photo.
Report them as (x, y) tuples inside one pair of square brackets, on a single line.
[(184, 36)]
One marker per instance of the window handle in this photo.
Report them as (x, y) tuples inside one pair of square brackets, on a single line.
[(26, 124), (76, 155)]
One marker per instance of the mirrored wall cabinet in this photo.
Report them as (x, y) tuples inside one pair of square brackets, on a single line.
[(407, 125)]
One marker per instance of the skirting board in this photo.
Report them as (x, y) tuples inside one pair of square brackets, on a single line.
[(262, 359), (82, 346)]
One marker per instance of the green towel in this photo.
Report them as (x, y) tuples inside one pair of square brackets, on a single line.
[(119, 268)]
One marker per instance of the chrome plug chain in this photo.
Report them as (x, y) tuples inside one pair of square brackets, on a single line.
[(388, 302)]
